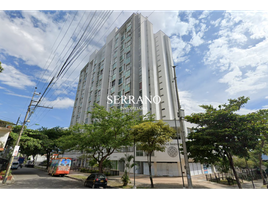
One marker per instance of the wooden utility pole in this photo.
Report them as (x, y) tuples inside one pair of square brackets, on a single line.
[(180, 115), (21, 131)]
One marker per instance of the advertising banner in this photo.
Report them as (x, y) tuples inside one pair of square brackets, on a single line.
[(16, 151)]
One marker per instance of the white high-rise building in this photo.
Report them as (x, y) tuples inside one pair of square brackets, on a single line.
[(134, 64)]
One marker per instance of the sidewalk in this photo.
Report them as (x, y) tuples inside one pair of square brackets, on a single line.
[(198, 181)]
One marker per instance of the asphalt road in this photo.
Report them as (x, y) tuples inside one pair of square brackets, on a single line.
[(32, 178)]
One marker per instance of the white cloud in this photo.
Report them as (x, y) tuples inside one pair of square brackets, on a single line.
[(242, 59), (244, 111), (21, 39), (59, 103), (14, 78), (181, 49), (196, 39), (204, 14), (193, 106)]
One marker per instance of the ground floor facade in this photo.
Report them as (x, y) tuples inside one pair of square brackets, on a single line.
[(167, 163)]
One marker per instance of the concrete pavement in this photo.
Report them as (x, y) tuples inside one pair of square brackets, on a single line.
[(143, 181), (198, 181), (32, 178)]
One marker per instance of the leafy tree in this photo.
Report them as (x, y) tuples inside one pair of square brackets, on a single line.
[(152, 136), (108, 132), (51, 140), (127, 161), (260, 126), (221, 133), (30, 143)]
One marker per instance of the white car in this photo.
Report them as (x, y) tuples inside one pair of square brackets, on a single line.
[(15, 165)]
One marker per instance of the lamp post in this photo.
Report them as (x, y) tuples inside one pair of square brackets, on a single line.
[(180, 115), (179, 152), (134, 187)]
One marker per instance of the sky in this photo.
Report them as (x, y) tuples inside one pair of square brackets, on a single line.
[(220, 54)]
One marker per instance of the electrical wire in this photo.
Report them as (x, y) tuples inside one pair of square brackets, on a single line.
[(64, 67), (79, 52), (68, 87)]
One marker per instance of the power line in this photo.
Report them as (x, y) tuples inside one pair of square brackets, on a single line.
[(71, 57), (86, 55), (69, 85), (57, 46)]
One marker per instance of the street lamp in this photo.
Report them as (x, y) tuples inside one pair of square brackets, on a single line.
[(180, 115), (179, 152)]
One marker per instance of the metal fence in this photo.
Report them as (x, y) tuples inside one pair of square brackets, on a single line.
[(220, 177), (229, 178)]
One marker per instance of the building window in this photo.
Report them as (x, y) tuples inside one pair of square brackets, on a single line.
[(128, 67), (128, 55), (114, 71), (114, 65), (113, 83), (127, 80)]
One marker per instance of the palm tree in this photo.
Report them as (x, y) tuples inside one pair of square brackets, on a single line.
[(127, 161)]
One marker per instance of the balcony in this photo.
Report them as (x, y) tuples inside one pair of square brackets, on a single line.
[(120, 81), (127, 88), (114, 77), (128, 38), (127, 49), (127, 73), (112, 90), (127, 61), (128, 28)]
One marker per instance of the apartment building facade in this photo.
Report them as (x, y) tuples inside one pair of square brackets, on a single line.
[(135, 64)]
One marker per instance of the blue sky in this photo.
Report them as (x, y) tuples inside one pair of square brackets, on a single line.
[(219, 55)]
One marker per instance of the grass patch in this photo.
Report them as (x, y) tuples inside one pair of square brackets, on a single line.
[(81, 177)]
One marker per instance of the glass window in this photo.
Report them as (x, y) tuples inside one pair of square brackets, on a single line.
[(128, 54), (113, 83), (127, 80)]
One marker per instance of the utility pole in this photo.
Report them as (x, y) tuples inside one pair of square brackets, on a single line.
[(18, 120), (18, 140), (181, 115)]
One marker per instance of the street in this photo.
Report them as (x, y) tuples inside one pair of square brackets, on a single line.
[(32, 178)]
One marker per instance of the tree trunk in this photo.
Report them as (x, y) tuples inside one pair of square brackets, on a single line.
[(250, 174), (100, 167), (48, 156), (233, 168), (260, 164), (150, 170)]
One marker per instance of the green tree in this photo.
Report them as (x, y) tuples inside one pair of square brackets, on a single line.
[(51, 140), (128, 165), (221, 133), (1, 68), (30, 143), (152, 136), (260, 126), (108, 132)]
